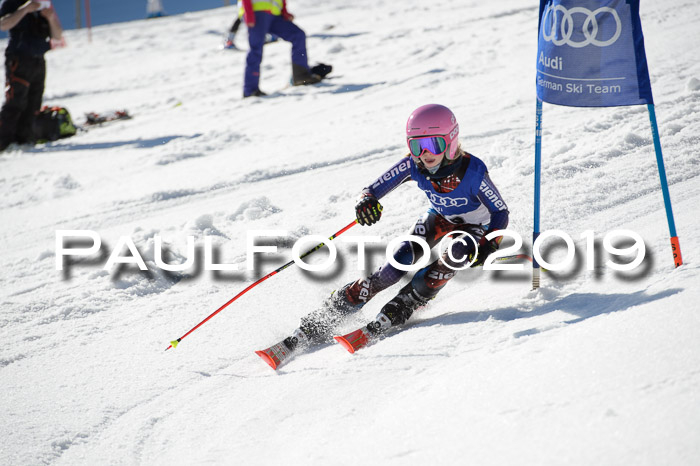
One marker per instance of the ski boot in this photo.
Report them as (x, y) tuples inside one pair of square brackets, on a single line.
[(401, 306), (321, 69), (276, 354), (362, 336), (255, 93), (395, 312), (316, 328), (303, 76)]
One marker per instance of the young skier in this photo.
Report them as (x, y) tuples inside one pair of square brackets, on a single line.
[(462, 199)]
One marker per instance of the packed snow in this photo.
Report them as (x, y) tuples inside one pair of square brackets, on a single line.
[(596, 367)]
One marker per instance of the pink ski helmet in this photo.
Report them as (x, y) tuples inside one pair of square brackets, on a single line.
[(433, 120)]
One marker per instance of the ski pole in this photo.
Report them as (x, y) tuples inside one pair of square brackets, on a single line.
[(174, 343)]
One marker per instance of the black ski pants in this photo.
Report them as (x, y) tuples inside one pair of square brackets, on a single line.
[(24, 89)]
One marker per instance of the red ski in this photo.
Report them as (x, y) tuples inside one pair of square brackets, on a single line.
[(353, 341), (94, 118), (275, 355)]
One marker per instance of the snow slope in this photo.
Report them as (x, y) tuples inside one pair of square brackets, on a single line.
[(597, 367)]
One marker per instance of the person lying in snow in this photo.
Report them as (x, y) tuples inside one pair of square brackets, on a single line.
[(462, 197)]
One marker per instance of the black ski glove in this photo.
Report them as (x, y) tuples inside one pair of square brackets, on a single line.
[(368, 210), (484, 251)]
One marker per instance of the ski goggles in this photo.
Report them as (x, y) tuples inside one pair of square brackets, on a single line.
[(436, 145)]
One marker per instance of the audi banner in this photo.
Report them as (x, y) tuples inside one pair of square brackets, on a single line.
[(591, 54)]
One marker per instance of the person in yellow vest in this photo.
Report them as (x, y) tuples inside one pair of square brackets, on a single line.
[(271, 17)]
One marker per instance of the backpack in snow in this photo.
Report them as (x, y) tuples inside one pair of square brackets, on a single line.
[(52, 123)]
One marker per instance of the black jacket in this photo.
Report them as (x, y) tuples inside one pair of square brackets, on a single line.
[(31, 36)]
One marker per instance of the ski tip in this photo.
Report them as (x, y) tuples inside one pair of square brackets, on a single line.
[(174, 343), (353, 341), (345, 344), (266, 357)]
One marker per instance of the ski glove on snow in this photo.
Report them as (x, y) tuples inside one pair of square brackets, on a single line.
[(484, 251), (368, 210)]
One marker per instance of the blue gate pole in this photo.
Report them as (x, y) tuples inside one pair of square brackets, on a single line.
[(675, 245), (538, 169)]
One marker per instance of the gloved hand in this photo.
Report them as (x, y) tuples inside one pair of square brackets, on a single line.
[(484, 251), (368, 210)]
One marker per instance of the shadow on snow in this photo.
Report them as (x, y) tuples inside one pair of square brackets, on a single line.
[(582, 305), (138, 143)]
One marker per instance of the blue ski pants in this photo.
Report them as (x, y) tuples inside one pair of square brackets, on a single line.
[(267, 23)]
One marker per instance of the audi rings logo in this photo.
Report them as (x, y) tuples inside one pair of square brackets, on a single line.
[(559, 29), (447, 201)]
